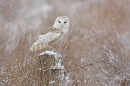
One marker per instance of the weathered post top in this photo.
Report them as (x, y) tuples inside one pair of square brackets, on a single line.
[(51, 68)]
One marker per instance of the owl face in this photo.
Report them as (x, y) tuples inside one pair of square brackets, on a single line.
[(62, 22)]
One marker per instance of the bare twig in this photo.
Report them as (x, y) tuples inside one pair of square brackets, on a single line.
[(105, 63)]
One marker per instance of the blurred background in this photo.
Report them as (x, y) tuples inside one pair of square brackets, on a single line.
[(99, 31)]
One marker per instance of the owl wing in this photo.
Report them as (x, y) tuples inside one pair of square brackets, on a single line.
[(48, 30), (47, 39), (38, 45), (51, 29), (51, 35)]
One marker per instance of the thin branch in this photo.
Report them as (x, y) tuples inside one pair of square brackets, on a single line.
[(105, 63)]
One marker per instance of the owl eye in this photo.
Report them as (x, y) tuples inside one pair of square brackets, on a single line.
[(65, 22), (59, 21)]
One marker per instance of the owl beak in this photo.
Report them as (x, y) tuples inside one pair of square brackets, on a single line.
[(61, 25)]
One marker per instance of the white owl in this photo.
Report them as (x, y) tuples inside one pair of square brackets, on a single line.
[(53, 34)]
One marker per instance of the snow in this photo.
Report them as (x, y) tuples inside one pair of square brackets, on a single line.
[(48, 52), (58, 58), (82, 46)]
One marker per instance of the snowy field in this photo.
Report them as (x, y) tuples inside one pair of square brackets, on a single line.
[(96, 50)]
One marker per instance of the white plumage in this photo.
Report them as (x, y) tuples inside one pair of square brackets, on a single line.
[(53, 34)]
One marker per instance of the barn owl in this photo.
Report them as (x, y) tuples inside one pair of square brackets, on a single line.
[(53, 34)]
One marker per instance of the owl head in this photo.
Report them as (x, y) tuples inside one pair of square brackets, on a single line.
[(62, 22)]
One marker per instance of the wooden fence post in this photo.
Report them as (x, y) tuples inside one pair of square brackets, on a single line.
[(51, 68)]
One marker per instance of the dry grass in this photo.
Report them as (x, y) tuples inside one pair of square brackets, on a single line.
[(99, 31)]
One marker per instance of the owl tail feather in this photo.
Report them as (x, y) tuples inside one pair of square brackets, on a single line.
[(38, 46)]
